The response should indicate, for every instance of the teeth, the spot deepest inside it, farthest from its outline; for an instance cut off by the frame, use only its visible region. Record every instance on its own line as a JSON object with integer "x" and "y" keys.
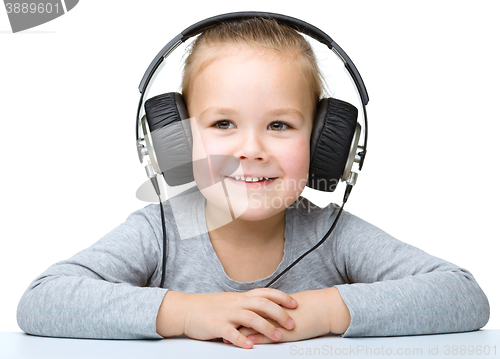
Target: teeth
{"x": 250, "y": 179}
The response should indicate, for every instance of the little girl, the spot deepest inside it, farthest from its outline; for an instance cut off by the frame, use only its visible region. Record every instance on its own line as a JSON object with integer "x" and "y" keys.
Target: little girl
{"x": 251, "y": 88}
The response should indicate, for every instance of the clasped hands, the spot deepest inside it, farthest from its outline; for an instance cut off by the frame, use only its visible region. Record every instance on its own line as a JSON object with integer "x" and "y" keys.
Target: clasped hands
{"x": 263, "y": 315}
{"x": 309, "y": 314}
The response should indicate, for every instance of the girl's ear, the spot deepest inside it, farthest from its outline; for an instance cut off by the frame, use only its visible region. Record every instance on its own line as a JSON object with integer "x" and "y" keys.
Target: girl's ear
{"x": 170, "y": 129}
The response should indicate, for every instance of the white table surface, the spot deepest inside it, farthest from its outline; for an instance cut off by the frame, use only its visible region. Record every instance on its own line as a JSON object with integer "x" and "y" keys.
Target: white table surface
{"x": 476, "y": 344}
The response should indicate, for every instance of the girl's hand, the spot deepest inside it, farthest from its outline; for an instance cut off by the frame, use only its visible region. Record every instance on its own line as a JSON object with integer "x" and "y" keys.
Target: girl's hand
{"x": 318, "y": 312}
{"x": 218, "y": 315}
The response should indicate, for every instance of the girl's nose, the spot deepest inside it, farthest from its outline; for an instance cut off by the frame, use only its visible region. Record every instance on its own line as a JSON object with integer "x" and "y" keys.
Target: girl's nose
{"x": 252, "y": 148}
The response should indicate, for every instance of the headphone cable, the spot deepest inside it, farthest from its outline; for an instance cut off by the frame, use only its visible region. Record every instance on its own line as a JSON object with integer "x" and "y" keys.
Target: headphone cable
{"x": 346, "y": 196}
{"x": 164, "y": 255}
{"x": 164, "y": 259}
{"x": 156, "y": 186}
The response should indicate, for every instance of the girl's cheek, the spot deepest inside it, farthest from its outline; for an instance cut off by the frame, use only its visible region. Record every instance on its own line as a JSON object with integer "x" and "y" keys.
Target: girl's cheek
{"x": 296, "y": 155}
{"x": 212, "y": 145}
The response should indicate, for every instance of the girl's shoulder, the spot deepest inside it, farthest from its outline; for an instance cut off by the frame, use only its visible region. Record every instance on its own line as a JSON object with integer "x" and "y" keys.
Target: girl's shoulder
{"x": 306, "y": 214}
{"x": 305, "y": 208}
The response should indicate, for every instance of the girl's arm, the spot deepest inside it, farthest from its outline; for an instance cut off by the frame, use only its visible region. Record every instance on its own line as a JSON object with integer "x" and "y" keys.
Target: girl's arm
{"x": 391, "y": 288}
{"x": 107, "y": 291}
{"x": 398, "y": 289}
{"x": 102, "y": 291}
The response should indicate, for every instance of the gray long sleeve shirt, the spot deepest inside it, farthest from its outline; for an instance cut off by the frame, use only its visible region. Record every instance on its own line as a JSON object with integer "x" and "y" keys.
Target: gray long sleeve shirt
{"x": 111, "y": 289}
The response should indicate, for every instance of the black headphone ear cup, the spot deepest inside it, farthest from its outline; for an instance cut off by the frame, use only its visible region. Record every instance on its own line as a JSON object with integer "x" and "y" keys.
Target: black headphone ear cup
{"x": 331, "y": 138}
{"x": 167, "y": 117}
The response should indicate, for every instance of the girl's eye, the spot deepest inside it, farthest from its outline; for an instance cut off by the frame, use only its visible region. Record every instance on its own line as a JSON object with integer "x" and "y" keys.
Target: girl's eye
{"x": 222, "y": 124}
{"x": 278, "y": 125}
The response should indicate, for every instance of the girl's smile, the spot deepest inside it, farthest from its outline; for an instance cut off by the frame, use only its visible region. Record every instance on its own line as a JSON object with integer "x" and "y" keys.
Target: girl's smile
{"x": 252, "y": 182}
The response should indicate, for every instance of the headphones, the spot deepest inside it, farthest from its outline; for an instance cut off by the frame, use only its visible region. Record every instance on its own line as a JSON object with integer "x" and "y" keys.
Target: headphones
{"x": 334, "y": 138}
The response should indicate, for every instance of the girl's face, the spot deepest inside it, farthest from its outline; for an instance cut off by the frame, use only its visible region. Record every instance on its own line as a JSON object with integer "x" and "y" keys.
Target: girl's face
{"x": 254, "y": 108}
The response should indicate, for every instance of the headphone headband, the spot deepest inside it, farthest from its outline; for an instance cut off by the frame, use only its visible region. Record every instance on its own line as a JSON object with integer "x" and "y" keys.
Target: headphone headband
{"x": 294, "y": 23}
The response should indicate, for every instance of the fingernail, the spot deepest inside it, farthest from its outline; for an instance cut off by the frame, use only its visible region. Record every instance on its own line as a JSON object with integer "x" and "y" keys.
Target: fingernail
{"x": 248, "y": 342}
{"x": 293, "y": 301}
{"x": 252, "y": 338}
{"x": 290, "y": 323}
{"x": 277, "y": 334}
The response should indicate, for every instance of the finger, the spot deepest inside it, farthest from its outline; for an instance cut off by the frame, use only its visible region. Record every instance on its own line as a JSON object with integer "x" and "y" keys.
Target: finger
{"x": 250, "y": 319}
{"x": 269, "y": 309}
{"x": 260, "y": 339}
{"x": 247, "y": 331}
{"x": 232, "y": 335}
{"x": 276, "y": 296}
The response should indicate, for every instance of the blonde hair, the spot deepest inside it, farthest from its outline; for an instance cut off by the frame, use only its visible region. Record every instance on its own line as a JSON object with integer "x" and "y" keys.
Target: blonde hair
{"x": 260, "y": 33}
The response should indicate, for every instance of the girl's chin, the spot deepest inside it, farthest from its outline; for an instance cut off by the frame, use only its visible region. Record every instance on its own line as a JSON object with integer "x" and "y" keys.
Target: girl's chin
{"x": 248, "y": 208}
{"x": 256, "y": 211}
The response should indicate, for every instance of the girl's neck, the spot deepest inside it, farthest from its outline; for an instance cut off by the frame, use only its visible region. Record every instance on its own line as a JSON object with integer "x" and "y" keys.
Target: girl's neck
{"x": 249, "y": 234}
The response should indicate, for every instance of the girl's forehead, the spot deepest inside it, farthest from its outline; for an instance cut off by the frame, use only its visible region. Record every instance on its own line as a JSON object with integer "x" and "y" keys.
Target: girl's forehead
{"x": 251, "y": 66}
{"x": 231, "y": 52}
{"x": 224, "y": 71}
{"x": 246, "y": 70}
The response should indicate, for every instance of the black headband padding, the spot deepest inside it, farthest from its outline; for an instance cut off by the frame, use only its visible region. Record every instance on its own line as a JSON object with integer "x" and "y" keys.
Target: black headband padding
{"x": 294, "y": 23}
{"x": 331, "y": 138}
{"x": 163, "y": 109}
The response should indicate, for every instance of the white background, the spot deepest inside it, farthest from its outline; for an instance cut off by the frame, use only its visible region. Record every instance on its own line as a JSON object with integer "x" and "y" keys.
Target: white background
{"x": 68, "y": 94}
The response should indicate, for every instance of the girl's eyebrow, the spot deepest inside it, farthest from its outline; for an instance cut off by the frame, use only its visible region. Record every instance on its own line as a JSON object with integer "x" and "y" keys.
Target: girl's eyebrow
{"x": 213, "y": 111}
{"x": 287, "y": 112}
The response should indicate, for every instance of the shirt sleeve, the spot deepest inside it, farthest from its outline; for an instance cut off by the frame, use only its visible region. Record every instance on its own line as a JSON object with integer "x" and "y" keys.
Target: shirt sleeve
{"x": 393, "y": 288}
{"x": 101, "y": 292}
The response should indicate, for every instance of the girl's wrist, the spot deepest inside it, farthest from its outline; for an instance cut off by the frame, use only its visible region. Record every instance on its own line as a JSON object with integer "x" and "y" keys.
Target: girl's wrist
{"x": 339, "y": 316}
{"x": 171, "y": 315}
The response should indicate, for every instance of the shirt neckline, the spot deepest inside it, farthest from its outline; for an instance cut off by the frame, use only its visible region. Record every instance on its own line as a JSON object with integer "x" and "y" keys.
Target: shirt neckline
{"x": 216, "y": 265}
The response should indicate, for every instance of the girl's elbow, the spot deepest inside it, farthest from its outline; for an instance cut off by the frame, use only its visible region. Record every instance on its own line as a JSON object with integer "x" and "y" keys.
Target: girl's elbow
{"x": 478, "y": 302}
{"x": 482, "y": 307}
{"x": 28, "y": 312}
{"x": 24, "y": 320}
